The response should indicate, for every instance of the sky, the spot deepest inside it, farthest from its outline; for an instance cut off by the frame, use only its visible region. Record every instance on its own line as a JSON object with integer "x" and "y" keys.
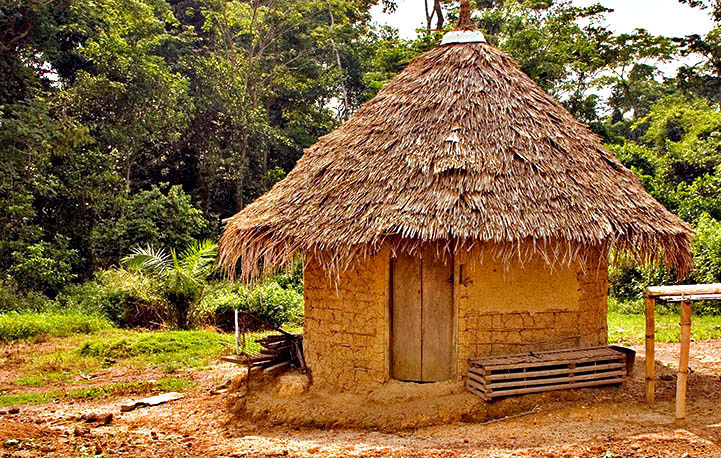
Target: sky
{"x": 659, "y": 17}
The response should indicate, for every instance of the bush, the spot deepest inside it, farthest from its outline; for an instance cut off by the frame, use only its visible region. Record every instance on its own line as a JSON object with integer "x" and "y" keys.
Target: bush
{"x": 14, "y": 300}
{"x": 45, "y": 266}
{"x": 149, "y": 218}
{"x": 291, "y": 278}
{"x": 128, "y": 300}
{"x": 706, "y": 246}
{"x": 17, "y": 326}
{"x": 269, "y": 301}
{"x": 628, "y": 280}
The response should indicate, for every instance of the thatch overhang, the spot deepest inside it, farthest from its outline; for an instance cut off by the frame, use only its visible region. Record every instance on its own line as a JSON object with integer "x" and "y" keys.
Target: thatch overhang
{"x": 461, "y": 147}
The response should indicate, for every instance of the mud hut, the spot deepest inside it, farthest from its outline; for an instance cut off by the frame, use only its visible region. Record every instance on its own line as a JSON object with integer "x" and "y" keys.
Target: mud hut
{"x": 461, "y": 212}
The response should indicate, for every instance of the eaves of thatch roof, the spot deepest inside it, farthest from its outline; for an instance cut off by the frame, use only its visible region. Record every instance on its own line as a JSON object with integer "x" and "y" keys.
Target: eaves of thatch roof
{"x": 461, "y": 146}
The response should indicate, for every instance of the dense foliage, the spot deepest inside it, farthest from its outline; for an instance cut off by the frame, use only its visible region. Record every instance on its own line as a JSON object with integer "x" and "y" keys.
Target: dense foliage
{"x": 128, "y": 123}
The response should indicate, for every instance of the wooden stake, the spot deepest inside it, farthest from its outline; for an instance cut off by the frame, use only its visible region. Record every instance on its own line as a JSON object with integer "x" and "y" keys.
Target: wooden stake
{"x": 683, "y": 363}
{"x": 650, "y": 348}
{"x": 237, "y": 333}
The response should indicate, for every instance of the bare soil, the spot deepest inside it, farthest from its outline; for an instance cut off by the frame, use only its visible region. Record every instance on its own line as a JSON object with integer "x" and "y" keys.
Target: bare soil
{"x": 611, "y": 420}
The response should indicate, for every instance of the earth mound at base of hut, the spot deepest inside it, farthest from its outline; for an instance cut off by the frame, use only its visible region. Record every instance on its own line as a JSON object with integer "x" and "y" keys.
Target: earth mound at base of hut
{"x": 291, "y": 400}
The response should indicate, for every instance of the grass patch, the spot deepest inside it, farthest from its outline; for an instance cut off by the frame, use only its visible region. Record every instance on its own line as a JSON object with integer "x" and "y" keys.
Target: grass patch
{"x": 19, "y": 326}
{"x": 169, "y": 350}
{"x": 630, "y": 328}
{"x": 94, "y": 392}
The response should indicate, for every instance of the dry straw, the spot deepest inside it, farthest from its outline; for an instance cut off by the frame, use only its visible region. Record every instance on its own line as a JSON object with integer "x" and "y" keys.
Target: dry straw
{"x": 461, "y": 147}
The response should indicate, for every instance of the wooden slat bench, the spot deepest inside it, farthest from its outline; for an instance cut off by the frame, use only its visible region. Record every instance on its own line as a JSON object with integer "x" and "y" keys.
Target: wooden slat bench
{"x": 500, "y": 376}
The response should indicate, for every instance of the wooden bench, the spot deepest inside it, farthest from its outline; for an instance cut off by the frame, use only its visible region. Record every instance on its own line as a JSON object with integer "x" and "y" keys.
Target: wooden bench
{"x": 536, "y": 372}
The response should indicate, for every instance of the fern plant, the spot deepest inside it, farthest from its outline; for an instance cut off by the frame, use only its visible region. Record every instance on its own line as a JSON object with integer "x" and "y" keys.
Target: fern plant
{"x": 183, "y": 276}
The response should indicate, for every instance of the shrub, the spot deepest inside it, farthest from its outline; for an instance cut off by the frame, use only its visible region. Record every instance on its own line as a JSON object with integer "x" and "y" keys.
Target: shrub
{"x": 128, "y": 300}
{"x": 269, "y": 301}
{"x": 149, "y": 218}
{"x": 183, "y": 276}
{"x": 628, "y": 280}
{"x": 45, "y": 266}
{"x": 291, "y": 278}
{"x": 707, "y": 250}
{"x": 12, "y": 299}
{"x": 17, "y": 326}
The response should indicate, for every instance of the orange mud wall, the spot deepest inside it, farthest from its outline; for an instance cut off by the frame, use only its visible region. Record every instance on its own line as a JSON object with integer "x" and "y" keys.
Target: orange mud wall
{"x": 526, "y": 307}
{"x": 529, "y": 307}
{"x": 345, "y": 335}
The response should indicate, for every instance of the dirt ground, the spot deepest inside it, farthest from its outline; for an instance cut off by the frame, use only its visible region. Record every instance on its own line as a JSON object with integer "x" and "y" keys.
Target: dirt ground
{"x": 609, "y": 422}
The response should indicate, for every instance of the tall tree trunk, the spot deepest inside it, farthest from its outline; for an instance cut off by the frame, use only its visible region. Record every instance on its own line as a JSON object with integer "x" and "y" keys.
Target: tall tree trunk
{"x": 344, "y": 110}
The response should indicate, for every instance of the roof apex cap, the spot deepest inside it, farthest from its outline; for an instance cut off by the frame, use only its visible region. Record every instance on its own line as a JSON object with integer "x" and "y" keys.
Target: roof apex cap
{"x": 463, "y": 36}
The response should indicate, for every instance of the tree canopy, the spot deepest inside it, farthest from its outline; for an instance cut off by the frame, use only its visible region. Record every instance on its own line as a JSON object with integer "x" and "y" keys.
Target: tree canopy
{"x": 136, "y": 122}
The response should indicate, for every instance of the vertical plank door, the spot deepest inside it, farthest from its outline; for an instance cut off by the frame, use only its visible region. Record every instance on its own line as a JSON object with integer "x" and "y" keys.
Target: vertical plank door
{"x": 422, "y": 314}
{"x": 437, "y": 287}
{"x": 406, "y": 315}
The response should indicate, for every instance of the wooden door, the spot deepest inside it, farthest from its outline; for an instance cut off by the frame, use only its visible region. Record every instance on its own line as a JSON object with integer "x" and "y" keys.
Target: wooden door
{"x": 422, "y": 317}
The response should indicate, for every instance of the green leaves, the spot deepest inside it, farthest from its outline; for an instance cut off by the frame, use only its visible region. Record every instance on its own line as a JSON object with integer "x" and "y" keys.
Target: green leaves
{"x": 149, "y": 259}
{"x": 183, "y": 277}
{"x": 707, "y": 250}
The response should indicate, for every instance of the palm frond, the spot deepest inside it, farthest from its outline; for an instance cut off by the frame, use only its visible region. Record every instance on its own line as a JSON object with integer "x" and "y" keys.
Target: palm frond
{"x": 147, "y": 258}
{"x": 199, "y": 259}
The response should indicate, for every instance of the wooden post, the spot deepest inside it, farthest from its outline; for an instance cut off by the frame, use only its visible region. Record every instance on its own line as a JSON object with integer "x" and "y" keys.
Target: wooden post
{"x": 650, "y": 348}
{"x": 237, "y": 334}
{"x": 683, "y": 363}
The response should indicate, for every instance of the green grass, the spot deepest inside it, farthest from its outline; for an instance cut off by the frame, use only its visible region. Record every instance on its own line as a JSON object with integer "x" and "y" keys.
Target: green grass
{"x": 19, "y": 326}
{"x": 168, "y": 351}
{"x": 630, "y": 329}
{"x": 93, "y": 392}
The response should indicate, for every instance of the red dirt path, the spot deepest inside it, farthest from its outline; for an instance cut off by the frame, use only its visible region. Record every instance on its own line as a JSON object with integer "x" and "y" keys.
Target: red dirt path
{"x": 613, "y": 420}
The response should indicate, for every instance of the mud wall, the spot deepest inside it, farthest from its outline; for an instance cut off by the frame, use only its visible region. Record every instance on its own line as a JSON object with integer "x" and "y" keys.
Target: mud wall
{"x": 530, "y": 307}
{"x": 346, "y": 326}
{"x": 499, "y": 311}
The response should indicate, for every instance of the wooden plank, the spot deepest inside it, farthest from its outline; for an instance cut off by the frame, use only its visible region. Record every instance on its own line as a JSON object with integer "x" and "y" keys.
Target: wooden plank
{"x": 477, "y": 378}
{"x": 475, "y": 390}
{"x": 560, "y": 356}
{"x": 436, "y": 316}
{"x": 234, "y": 359}
{"x": 570, "y": 379}
{"x": 271, "y": 362}
{"x": 683, "y": 363}
{"x": 255, "y": 370}
{"x": 542, "y": 363}
{"x": 151, "y": 401}
{"x": 586, "y": 351}
{"x": 273, "y": 338}
{"x": 650, "y": 348}
{"x": 566, "y": 386}
{"x": 477, "y": 386}
{"x": 277, "y": 368}
{"x": 567, "y": 370}
{"x": 678, "y": 290}
{"x": 692, "y": 297}
{"x": 406, "y": 347}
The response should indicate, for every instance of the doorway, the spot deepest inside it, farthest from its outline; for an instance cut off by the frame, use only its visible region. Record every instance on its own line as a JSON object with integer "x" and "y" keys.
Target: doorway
{"x": 422, "y": 317}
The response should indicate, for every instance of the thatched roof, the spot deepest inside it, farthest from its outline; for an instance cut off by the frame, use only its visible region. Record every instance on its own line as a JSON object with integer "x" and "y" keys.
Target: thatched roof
{"x": 460, "y": 146}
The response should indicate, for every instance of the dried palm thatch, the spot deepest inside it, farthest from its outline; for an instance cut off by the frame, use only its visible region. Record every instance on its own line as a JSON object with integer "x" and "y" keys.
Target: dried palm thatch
{"x": 462, "y": 147}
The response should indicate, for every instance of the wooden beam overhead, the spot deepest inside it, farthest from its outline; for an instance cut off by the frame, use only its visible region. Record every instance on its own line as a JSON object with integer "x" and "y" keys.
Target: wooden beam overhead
{"x": 683, "y": 290}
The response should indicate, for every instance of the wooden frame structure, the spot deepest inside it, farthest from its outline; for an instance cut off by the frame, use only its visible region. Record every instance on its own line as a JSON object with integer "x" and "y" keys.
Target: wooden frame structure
{"x": 684, "y": 294}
